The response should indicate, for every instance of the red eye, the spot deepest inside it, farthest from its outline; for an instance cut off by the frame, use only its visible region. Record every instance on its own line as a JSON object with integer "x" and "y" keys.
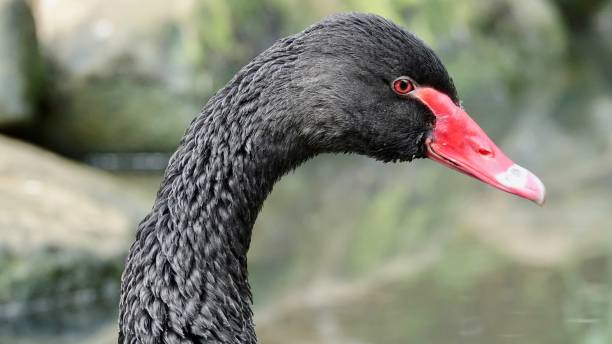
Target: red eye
{"x": 403, "y": 86}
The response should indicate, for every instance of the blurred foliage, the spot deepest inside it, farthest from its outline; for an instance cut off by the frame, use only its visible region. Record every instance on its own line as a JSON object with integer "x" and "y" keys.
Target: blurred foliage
{"x": 52, "y": 277}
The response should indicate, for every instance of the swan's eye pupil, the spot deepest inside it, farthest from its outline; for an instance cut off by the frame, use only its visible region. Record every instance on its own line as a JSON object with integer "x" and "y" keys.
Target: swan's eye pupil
{"x": 403, "y": 86}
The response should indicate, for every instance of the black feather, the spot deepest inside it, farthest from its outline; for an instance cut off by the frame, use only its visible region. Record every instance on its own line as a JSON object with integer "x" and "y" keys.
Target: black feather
{"x": 326, "y": 89}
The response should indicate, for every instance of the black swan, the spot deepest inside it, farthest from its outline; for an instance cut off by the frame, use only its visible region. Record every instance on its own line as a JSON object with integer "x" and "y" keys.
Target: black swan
{"x": 352, "y": 83}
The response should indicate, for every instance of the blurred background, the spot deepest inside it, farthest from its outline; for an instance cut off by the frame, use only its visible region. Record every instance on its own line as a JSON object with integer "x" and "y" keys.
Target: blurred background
{"x": 95, "y": 94}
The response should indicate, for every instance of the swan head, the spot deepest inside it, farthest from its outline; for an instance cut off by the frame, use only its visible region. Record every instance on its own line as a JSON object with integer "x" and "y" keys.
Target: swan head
{"x": 364, "y": 85}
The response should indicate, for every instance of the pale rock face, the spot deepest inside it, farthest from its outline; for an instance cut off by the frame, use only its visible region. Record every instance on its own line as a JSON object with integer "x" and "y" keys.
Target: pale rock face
{"x": 58, "y": 216}
{"x": 38, "y": 187}
{"x": 87, "y": 37}
{"x": 126, "y": 70}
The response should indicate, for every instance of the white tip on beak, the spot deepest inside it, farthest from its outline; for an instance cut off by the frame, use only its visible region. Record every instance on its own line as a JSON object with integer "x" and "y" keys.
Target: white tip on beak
{"x": 520, "y": 181}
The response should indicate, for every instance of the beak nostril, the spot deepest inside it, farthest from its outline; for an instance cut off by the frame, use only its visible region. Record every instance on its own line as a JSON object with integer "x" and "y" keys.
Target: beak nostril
{"x": 484, "y": 151}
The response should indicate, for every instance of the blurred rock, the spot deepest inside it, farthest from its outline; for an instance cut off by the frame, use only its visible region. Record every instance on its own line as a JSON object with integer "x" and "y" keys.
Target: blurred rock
{"x": 64, "y": 228}
{"x": 20, "y": 63}
{"x": 130, "y": 77}
{"x": 127, "y": 79}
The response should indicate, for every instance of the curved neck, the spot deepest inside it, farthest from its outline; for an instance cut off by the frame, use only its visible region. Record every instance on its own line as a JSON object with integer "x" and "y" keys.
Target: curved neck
{"x": 186, "y": 273}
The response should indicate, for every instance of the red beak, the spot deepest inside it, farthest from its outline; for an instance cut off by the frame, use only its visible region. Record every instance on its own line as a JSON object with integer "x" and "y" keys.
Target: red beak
{"x": 459, "y": 143}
